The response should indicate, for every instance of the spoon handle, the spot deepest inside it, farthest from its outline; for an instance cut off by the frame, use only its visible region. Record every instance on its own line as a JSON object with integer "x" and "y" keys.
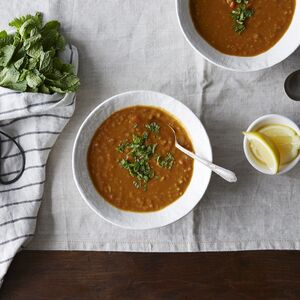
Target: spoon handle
{"x": 224, "y": 173}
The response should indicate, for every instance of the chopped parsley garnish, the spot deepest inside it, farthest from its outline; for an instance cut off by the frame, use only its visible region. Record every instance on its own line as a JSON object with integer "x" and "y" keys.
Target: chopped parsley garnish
{"x": 240, "y": 14}
{"x": 121, "y": 148}
{"x": 137, "y": 155}
{"x": 138, "y": 184}
{"x": 153, "y": 127}
{"x": 166, "y": 162}
{"x": 137, "y": 159}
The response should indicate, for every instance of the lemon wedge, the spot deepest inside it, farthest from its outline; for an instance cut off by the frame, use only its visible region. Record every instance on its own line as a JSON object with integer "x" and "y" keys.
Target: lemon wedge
{"x": 286, "y": 140}
{"x": 264, "y": 150}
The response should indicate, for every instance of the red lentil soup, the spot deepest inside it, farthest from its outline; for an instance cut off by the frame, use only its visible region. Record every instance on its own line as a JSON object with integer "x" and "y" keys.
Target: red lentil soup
{"x": 267, "y": 23}
{"x": 133, "y": 162}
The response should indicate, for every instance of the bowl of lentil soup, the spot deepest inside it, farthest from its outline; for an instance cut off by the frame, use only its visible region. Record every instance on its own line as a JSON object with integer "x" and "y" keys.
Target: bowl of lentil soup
{"x": 241, "y": 35}
{"x": 126, "y": 166}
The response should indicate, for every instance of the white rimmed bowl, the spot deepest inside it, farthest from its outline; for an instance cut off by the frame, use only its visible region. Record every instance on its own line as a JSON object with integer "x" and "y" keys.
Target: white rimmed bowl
{"x": 263, "y": 121}
{"x": 179, "y": 208}
{"x": 283, "y": 48}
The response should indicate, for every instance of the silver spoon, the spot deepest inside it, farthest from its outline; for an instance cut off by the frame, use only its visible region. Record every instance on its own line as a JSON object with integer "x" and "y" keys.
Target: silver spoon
{"x": 225, "y": 174}
{"x": 292, "y": 85}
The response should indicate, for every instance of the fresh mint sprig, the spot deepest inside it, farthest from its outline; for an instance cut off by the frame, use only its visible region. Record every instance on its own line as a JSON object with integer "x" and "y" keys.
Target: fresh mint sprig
{"x": 29, "y": 60}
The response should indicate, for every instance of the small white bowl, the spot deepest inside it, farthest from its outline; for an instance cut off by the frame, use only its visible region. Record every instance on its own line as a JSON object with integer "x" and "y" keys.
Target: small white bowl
{"x": 280, "y": 51}
{"x": 131, "y": 220}
{"x": 263, "y": 121}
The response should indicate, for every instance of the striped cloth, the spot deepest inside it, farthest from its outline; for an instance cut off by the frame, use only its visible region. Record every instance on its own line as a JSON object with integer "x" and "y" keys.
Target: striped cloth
{"x": 35, "y": 121}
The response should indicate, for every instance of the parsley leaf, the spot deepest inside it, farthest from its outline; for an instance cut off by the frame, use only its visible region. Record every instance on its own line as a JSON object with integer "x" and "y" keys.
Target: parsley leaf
{"x": 137, "y": 159}
{"x": 137, "y": 155}
{"x": 122, "y": 147}
{"x": 240, "y": 14}
{"x": 153, "y": 127}
{"x": 166, "y": 162}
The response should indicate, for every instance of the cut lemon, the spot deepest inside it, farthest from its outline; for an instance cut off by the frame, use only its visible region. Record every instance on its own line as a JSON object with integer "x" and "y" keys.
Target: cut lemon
{"x": 286, "y": 140}
{"x": 264, "y": 150}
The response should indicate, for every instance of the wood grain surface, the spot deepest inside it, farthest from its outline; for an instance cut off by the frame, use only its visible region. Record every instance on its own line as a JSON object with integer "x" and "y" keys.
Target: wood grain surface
{"x": 100, "y": 275}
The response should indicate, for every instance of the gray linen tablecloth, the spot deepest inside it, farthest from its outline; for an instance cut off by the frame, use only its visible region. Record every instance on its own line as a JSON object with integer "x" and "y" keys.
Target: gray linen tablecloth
{"x": 133, "y": 44}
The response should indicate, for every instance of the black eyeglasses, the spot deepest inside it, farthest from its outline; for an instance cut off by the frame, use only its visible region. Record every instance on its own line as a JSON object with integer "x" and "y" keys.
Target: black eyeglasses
{"x": 21, "y": 153}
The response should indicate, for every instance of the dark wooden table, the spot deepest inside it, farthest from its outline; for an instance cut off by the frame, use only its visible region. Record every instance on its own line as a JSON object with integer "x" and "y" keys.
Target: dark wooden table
{"x": 99, "y": 275}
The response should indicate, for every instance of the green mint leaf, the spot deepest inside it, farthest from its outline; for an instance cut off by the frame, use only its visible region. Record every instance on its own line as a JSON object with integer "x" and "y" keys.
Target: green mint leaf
{"x": 19, "y": 63}
{"x": 32, "y": 41}
{"x": 18, "y": 22}
{"x": 31, "y": 56}
{"x": 3, "y": 34}
{"x": 68, "y": 68}
{"x": 51, "y": 25}
{"x": 6, "y": 39}
{"x": 6, "y": 54}
{"x": 23, "y": 75}
{"x": 32, "y": 63}
{"x": 18, "y": 86}
{"x": 9, "y": 75}
{"x": 35, "y": 51}
{"x": 44, "y": 89}
{"x": 33, "y": 80}
{"x": 66, "y": 84}
{"x": 46, "y": 61}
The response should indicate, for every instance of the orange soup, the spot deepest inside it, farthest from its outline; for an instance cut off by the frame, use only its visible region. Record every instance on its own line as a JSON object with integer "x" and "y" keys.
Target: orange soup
{"x": 133, "y": 162}
{"x": 248, "y": 28}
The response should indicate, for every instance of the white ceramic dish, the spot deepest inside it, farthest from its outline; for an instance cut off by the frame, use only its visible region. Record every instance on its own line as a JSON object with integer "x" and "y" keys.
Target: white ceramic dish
{"x": 173, "y": 212}
{"x": 268, "y": 120}
{"x": 285, "y": 47}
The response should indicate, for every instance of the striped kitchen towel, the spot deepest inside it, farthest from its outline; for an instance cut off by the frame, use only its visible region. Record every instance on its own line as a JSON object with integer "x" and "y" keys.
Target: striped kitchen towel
{"x": 34, "y": 121}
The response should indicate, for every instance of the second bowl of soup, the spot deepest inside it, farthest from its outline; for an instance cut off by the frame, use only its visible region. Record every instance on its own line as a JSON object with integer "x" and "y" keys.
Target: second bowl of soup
{"x": 241, "y": 35}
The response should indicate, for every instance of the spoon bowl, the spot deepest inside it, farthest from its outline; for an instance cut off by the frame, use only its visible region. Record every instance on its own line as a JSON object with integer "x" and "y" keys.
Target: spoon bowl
{"x": 292, "y": 86}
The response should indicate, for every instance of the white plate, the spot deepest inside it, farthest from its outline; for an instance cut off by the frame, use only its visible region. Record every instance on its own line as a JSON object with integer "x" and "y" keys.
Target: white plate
{"x": 173, "y": 212}
{"x": 284, "y": 48}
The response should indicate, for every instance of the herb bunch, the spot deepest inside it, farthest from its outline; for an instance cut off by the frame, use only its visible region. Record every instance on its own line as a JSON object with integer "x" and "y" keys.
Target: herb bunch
{"x": 240, "y": 14}
{"x": 29, "y": 59}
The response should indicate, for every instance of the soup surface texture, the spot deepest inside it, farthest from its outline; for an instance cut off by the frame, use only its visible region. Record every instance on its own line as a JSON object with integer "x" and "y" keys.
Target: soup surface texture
{"x": 133, "y": 162}
{"x": 270, "y": 20}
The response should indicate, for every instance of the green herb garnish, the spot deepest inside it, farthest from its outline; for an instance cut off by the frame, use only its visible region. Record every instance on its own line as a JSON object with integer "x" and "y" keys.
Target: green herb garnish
{"x": 121, "y": 148}
{"x": 137, "y": 159}
{"x": 29, "y": 59}
{"x": 153, "y": 127}
{"x": 240, "y": 14}
{"x": 137, "y": 156}
{"x": 166, "y": 162}
{"x": 137, "y": 184}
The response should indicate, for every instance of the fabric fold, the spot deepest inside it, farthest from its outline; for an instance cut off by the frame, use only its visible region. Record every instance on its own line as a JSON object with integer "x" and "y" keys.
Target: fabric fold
{"x": 35, "y": 121}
